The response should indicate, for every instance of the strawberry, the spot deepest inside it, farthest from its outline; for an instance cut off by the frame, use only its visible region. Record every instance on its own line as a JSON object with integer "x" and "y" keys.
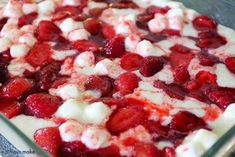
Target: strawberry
{"x": 85, "y": 45}
{"x": 207, "y": 60}
{"x": 127, "y": 82}
{"x": 39, "y": 54}
{"x": 230, "y": 64}
{"x": 73, "y": 149}
{"x": 110, "y": 151}
{"x": 16, "y": 87}
{"x": 27, "y": 19}
{"x": 92, "y": 25}
{"x": 151, "y": 65}
{"x": 48, "y": 31}
{"x": 146, "y": 150}
{"x": 10, "y": 108}
{"x": 181, "y": 74}
{"x": 168, "y": 152}
{"x": 157, "y": 10}
{"x": 131, "y": 61}
{"x": 180, "y": 49}
{"x": 125, "y": 118}
{"x": 100, "y": 83}
{"x": 49, "y": 139}
{"x": 47, "y": 75}
{"x": 157, "y": 130}
{"x": 107, "y": 31}
{"x": 65, "y": 12}
{"x": 114, "y": 47}
{"x": 185, "y": 122}
{"x": 203, "y": 23}
{"x": 42, "y": 105}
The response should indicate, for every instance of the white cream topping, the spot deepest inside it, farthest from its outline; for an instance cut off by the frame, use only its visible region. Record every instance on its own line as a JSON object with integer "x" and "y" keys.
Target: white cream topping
{"x": 33, "y": 124}
{"x": 224, "y": 77}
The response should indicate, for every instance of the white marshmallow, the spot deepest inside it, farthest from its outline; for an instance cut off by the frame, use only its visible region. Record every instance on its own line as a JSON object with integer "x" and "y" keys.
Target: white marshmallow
{"x": 28, "y": 29}
{"x": 146, "y": 48}
{"x": 69, "y": 25}
{"x": 5, "y": 44}
{"x": 94, "y": 137}
{"x": 71, "y": 2}
{"x": 27, "y": 39}
{"x": 18, "y": 66}
{"x": 78, "y": 34}
{"x": 189, "y": 150}
{"x": 96, "y": 113}
{"x": 19, "y": 50}
{"x": 131, "y": 42}
{"x": 61, "y": 55}
{"x": 229, "y": 113}
{"x": 103, "y": 66}
{"x": 13, "y": 9}
{"x": 175, "y": 23}
{"x": 46, "y": 7}
{"x": 123, "y": 28}
{"x": 13, "y": 35}
{"x": 29, "y": 8}
{"x": 71, "y": 131}
{"x": 224, "y": 77}
{"x": 175, "y": 12}
{"x": 158, "y": 23}
{"x": 85, "y": 59}
{"x": 69, "y": 91}
{"x": 92, "y": 5}
{"x": 71, "y": 109}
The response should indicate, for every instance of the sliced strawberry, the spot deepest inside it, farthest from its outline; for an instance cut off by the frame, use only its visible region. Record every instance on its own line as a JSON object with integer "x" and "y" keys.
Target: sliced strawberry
{"x": 123, "y": 5}
{"x": 112, "y": 101}
{"x": 27, "y": 19}
{"x": 16, "y": 87}
{"x": 125, "y": 118}
{"x": 151, "y": 65}
{"x": 158, "y": 131}
{"x": 211, "y": 43}
{"x": 172, "y": 90}
{"x": 127, "y": 82}
{"x": 168, "y": 152}
{"x": 180, "y": 49}
{"x": 73, "y": 149}
{"x": 64, "y": 12}
{"x": 170, "y": 32}
{"x": 142, "y": 20}
{"x": 42, "y": 105}
{"x": 49, "y": 139}
{"x": 85, "y": 45}
{"x": 207, "y": 60}
{"x": 10, "y": 108}
{"x": 92, "y": 25}
{"x": 131, "y": 61}
{"x": 204, "y": 77}
{"x": 110, "y": 151}
{"x": 157, "y": 10}
{"x": 178, "y": 58}
{"x": 230, "y": 64}
{"x": 114, "y": 47}
{"x": 3, "y": 21}
{"x": 39, "y": 54}
{"x": 100, "y": 83}
{"x": 203, "y": 23}
{"x": 146, "y": 150}
{"x": 220, "y": 97}
{"x": 107, "y": 31}
{"x": 96, "y": 12}
{"x": 48, "y": 31}
{"x": 181, "y": 74}
{"x": 185, "y": 122}
{"x": 47, "y": 75}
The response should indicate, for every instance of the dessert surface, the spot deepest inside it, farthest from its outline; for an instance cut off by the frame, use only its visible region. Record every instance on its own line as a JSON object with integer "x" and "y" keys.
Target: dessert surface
{"x": 116, "y": 78}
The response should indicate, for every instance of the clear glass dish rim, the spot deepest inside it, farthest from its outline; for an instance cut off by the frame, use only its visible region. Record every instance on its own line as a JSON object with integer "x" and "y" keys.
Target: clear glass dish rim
{"x": 209, "y": 153}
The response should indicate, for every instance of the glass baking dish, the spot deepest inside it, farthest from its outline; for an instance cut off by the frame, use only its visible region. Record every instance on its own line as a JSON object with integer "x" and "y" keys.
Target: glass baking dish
{"x": 13, "y": 143}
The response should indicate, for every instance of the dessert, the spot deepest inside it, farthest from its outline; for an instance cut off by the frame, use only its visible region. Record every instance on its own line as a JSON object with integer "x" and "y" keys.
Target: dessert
{"x": 116, "y": 78}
